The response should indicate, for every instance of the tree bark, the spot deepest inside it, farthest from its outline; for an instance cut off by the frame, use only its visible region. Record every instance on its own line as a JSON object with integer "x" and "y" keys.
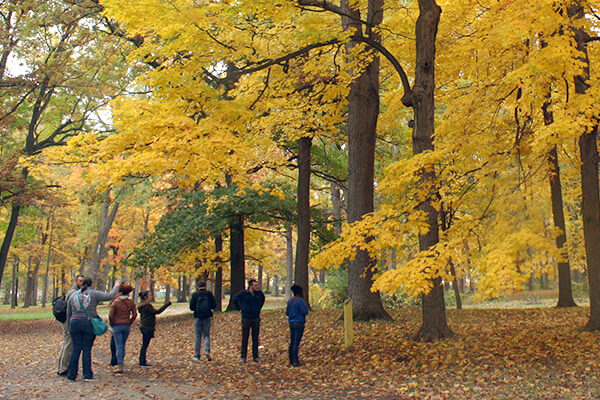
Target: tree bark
{"x": 259, "y": 276}
{"x": 107, "y": 217}
{"x": 455, "y": 287}
{"x": 8, "y": 236}
{"x": 336, "y": 203}
{"x": 363, "y": 111}
{"x": 289, "y": 267}
{"x": 237, "y": 257}
{"x": 303, "y": 239}
{"x": 15, "y": 283}
{"x": 48, "y": 258}
{"x": 167, "y": 293}
{"x": 219, "y": 275}
{"x": 434, "y": 325}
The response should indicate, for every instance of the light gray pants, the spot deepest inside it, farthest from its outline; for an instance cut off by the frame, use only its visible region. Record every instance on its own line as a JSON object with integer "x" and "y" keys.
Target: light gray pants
{"x": 65, "y": 350}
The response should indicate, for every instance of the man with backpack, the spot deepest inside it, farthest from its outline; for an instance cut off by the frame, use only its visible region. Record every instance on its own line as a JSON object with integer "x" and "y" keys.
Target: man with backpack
{"x": 250, "y": 302}
{"x": 202, "y": 303}
{"x": 59, "y": 309}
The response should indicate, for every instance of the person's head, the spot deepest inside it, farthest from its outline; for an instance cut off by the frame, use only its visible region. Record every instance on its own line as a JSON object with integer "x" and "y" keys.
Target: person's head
{"x": 79, "y": 280}
{"x": 86, "y": 283}
{"x": 146, "y": 295}
{"x": 297, "y": 291}
{"x": 125, "y": 289}
{"x": 252, "y": 285}
{"x": 201, "y": 285}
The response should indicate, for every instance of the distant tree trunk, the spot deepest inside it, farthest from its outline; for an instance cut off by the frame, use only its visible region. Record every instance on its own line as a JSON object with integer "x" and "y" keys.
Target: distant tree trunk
{"x": 167, "y": 293}
{"x": 289, "y": 266}
{"x": 336, "y": 202}
{"x": 106, "y": 221}
{"x": 28, "y": 284}
{"x": 15, "y": 283}
{"x": 259, "y": 276}
{"x": 363, "y": 111}
{"x": 276, "y": 285}
{"x": 7, "y": 288}
{"x": 455, "y": 287}
{"x": 268, "y": 284}
{"x": 237, "y": 257}
{"x": 303, "y": 239}
{"x": 152, "y": 287}
{"x": 8, "y": 236}
{"x": 48, "y": 260}
{"x": 219, "y": 275}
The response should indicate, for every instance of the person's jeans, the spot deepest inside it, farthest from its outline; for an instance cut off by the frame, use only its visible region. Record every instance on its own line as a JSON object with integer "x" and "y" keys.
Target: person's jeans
{"x": 247, "y": 324}
{"x": 296, "y": 331}
{"x": 147, "y": 334}
{"x": 121, "y": 333}
{"x": 82, "y": 335}
{"x": 65, "y": 351}
{"x": 202, "y": 328}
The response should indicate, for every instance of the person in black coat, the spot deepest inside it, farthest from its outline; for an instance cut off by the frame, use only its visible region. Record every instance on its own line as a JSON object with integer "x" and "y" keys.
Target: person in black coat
{"x": 202, "y": 303}
{"x": 148, "y": 322}
{"x": 250, "y": 302}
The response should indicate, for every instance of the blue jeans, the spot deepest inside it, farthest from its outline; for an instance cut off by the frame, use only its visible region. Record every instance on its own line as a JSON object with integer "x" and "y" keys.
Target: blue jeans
{"x": 296, "y": 331}
{"x": 82, "y": 334}
{"x": 202, "y": 328}
{"x": 121, "y": 333}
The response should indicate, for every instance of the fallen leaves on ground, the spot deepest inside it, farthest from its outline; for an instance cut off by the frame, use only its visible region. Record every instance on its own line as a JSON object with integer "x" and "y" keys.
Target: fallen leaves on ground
{"x": 496, "y": 354}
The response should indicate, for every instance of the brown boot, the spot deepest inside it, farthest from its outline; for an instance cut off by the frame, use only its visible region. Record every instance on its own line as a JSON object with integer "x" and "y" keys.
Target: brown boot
{"x": 119, "y": 369}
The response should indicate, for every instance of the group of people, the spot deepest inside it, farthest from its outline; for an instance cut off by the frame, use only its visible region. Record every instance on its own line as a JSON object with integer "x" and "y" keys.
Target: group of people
{"x": 82, "y": 300}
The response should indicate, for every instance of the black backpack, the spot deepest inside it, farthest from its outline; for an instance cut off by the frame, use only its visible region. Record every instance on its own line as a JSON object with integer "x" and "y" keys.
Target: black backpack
{"x": 59, "y": 308}
{"x": 202, "y": 306}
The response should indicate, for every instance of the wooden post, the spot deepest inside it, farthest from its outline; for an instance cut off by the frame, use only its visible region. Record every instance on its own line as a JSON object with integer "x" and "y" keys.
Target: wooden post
{"x": 348, "y": 329}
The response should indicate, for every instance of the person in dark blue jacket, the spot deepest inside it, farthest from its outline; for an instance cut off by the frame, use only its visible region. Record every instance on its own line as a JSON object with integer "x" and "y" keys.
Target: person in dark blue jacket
{"x": 250, "y": 302}
{"x": 296, "y": 311}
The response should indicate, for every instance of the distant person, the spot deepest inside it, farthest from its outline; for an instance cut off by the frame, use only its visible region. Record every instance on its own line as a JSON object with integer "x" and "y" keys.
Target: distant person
{"x": 202, "y": 303}
{"x": 250, "y": 302}
{"x": 122, "y": 314}
{"x": 296, "y": 311}
{"x": 80, "y": 327}
{"x": 148, "y": 322}
{"x": 67, "y": 345}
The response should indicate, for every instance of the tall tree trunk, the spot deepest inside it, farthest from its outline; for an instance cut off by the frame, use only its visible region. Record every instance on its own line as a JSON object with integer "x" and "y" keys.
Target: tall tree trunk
{"x": 303, "y": 239}
{"x": 28, "y": 284}
{"x": 289, "y": 266}
{"x": 259, "y": 276}
{"x": 167, "y": 293}
{"x": 276, "y": 285}
{"x": 48, "y": 260}
{"x": 8, "y": 236}
{"x": 15, "y": 283}
{"x": 237, "y": 257}
{"x": 590, "y": 193}
{"x": 336, "y": 203}
{"x": 219, "y": 275}
{"x": 363, "y": 111}
{"x": 434, "y": 325}
{"x": 107, "y": 217}
{"x": 268, "y": 284}
{"x": 455, "y": 287}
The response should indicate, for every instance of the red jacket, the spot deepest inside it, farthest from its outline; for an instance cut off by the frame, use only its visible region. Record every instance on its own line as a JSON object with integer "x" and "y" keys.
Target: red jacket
{"x": 122, "y": 311}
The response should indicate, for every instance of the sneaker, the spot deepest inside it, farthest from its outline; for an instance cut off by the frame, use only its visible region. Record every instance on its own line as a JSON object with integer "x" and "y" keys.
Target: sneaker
{"x": 196, "y": 358}
{"x": 145, "y": 365}
{"x": 243, "y": 359}
{"x": 208, "y": 357}
{"x": 93, "y": 378}
{"x": 64, "y": 373}
{"x": 256, "y": 359}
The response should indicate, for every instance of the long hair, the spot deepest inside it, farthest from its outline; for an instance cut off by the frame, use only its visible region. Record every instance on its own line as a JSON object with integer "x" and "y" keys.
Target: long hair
{"x": 87, "y": 282}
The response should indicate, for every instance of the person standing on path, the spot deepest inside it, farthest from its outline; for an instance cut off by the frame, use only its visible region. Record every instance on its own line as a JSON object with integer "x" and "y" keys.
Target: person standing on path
{"x": 122, "y": 314}
{"x": 250, "y": 302}
{"x": 148, "y": 322}
{"x": 202, "y": 303}
{"x": 296, "y": 311}
{"x": 65, "y": 351}
{"x": 80, "y": 327}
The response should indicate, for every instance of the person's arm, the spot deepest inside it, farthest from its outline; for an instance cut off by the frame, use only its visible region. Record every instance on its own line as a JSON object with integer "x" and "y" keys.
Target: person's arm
{"x": 213, "y": 302}
{"x": 133, "y": 312}
{"x": 237, "y": 299}
{"x": 262, "y": 298}
{"x": 101, "y": 296}
{"x": 69, "y": 310}
{"x": 287, "y": 308}
{"x": 163, "y": 308}
{"x": 303, "y": 308}
{"x": 193, "y": 302}
{"x": 111, "y": 315}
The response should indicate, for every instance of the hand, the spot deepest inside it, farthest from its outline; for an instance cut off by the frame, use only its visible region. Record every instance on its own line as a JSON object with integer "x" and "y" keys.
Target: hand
{"x": 169, "y": 303}
{"x": 117, "y": 282}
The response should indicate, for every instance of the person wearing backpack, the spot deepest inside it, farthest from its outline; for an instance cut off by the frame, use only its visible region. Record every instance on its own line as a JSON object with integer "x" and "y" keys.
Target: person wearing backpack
{"x": 250, "y": 302}
{"x": 296, "y": 311}
{"x": 148, "y": 322}
{"x": 121, "y": 316}
{"x": 202, "y": 303}
{"x": 80, "y": 308}
{"x": 59, "y": 308}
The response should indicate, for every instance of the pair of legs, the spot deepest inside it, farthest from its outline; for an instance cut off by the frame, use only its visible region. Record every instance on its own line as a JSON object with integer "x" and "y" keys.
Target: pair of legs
{"x": 202, "y": 328}
{"x": 120, "y": 335}
{"x": 65, "y": 351}
{"x": 147, "y": 335}
{"x": 296, "y": 331}
{"x": 247, "y": 325}
{"x": 82, "y": 335}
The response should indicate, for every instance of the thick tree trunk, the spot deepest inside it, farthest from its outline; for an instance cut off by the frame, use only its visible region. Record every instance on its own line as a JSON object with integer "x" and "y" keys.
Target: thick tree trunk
{"x": 363, "y": 111}
{"x": 303, "y": 240}
{"x": 259, "y": 276}
{"x": 289, "y": 266}
{"x": 237, "y": 257}
{"x": 276, "y": 285}
{"x": 106, "y": 221}
{"x": 8, "y": 236}
{"x": 219, "y": 275}
{"x": 48, "y": 260}
{"x": 167, "y": 293}
{"x": 434, "y": 325}
{"x": 268, "y": 284}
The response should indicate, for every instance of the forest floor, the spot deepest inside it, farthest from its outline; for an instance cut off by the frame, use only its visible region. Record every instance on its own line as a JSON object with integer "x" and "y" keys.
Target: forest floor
{"x": 536, "y": 353}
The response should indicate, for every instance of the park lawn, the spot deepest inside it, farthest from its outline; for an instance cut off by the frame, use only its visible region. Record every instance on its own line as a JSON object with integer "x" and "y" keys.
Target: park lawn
{"x": 538, "y": 353}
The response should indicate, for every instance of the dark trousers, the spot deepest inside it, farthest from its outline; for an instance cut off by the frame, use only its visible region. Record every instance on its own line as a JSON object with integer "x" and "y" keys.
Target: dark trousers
{"x": 113, "y": 351}
{"x": 247, "y": 324}
{"x": 296, "y": 331}
{"x": 147, "y": 334}
{"x": 82, "y": 334}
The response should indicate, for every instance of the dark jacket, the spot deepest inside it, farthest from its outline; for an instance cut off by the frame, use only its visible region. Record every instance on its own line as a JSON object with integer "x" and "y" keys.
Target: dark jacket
{"x": 148, "y": 314}
{"x": 249, "y": 303}
{"x": 212, "y": 303}
{"x": 296, "y": 310}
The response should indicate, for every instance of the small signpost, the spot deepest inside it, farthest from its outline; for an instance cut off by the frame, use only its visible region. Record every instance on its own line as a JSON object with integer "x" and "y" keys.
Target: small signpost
{"x": 348, "y": 330}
